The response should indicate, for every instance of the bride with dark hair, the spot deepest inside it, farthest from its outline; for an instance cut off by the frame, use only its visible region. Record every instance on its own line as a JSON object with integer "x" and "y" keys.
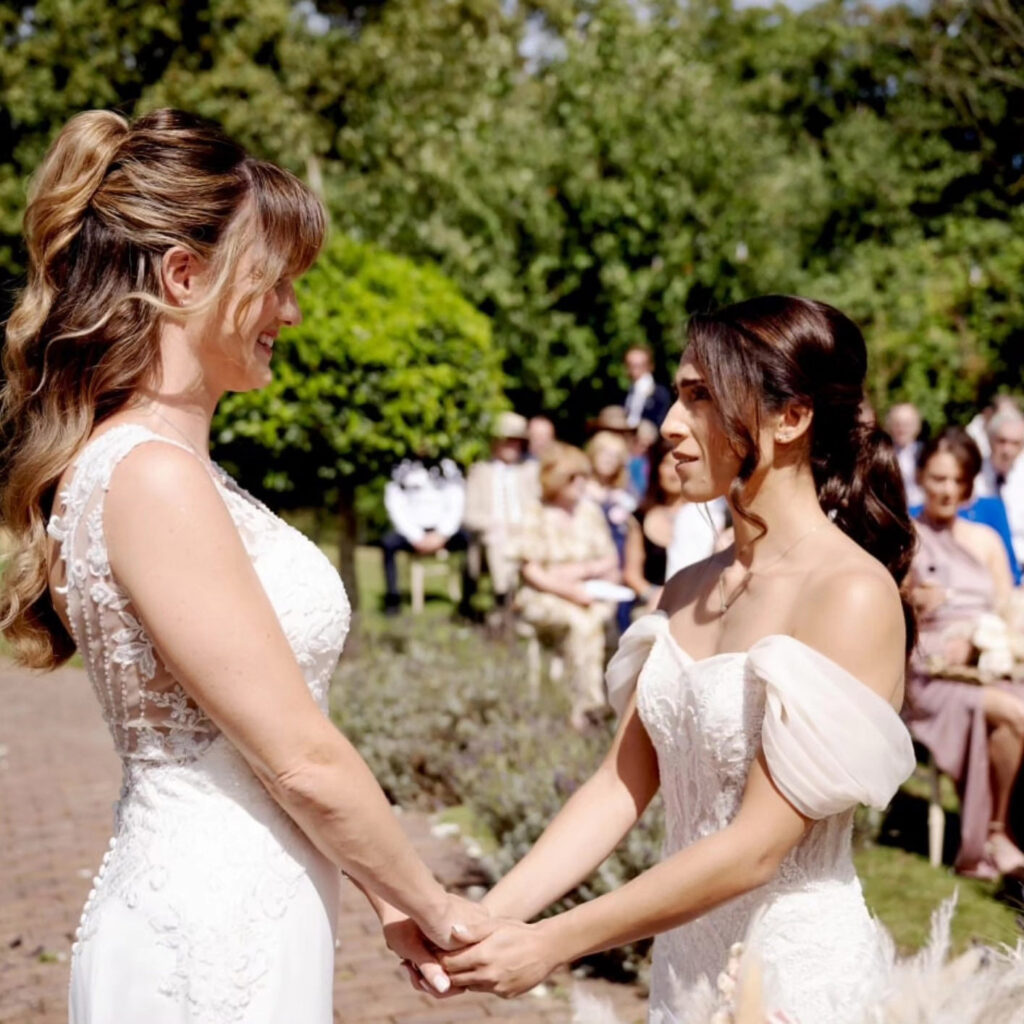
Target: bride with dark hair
{"x": 762, "y": 697}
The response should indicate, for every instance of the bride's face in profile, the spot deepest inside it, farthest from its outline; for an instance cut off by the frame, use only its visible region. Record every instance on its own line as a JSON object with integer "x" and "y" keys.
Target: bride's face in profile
{"x": 234, "y": 340}
{"x": 704, "y": 459}
{"x": 250, "y": 321}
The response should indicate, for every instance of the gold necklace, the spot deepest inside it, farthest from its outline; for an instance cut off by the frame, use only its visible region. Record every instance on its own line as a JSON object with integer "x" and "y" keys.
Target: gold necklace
{"x": 725, "y": 603}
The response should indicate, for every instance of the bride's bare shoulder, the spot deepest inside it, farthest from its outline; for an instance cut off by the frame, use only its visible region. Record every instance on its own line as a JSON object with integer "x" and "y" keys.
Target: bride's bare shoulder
{"x": 851, "y": 611}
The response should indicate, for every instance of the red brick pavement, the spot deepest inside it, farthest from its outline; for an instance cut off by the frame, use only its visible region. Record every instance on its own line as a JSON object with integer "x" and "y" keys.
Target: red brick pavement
{"x": 58, "y": 780}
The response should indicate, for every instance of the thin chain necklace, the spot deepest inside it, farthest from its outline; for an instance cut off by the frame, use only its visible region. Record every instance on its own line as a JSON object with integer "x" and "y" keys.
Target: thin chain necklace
{"x": 725, "y": 603}
{"x": 204, "y": 456}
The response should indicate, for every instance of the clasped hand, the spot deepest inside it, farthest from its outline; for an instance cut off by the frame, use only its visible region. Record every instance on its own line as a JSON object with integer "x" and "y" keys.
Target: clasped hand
{"x": 497, "y": 955}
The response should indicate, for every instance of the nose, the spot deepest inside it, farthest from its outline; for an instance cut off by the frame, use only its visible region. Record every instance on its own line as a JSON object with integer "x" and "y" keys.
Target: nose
{"x": 290, "y": 313}
{"x": 674, "y": 427}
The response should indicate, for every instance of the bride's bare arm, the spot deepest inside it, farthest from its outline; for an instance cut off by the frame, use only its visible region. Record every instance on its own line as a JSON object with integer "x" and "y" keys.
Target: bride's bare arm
{"x": 514, "y": 957}
{"x": 743, "y": 856}
{"x": 586, "y": 830}
{"x": 175, "y": 549}
{"x": 594, "y": 821}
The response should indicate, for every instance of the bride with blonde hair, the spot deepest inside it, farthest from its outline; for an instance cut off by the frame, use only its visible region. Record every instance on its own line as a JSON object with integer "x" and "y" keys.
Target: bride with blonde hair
{"x": 162, "y": 259}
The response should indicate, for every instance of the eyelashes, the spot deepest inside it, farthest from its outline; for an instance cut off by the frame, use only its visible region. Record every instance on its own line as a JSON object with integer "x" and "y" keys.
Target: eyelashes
{"x": 693, "y": 393}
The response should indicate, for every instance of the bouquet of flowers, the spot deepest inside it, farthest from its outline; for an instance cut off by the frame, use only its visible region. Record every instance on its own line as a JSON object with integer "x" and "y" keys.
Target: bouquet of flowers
{"x": 981, "y": 652}
{"x": 991, "y": 639}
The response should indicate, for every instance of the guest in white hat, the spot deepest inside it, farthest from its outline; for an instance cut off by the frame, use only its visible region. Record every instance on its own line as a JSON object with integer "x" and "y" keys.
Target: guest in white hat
{"x": 498, "y": 493}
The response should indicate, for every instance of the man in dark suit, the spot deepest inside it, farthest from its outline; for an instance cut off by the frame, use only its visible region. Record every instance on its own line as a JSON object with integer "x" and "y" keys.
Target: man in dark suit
{"x": 646, "y": 399}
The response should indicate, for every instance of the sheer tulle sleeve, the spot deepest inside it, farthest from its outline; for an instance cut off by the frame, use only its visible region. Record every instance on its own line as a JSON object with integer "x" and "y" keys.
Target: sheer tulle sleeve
{"x": 627, "y": 661}
{"x": 830, "y": 742}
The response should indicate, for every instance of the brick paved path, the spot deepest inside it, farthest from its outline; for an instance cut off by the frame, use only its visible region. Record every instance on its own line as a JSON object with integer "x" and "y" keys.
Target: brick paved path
{"x": 58, "y": 780}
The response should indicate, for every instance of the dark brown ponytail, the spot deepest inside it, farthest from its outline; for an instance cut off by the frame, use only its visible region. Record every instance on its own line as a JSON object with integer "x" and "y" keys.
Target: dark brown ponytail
{"x": 759, "y": 355}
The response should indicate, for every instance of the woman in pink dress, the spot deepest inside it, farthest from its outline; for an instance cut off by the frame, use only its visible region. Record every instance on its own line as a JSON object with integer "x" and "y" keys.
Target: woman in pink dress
{"x": 975, "y": 733}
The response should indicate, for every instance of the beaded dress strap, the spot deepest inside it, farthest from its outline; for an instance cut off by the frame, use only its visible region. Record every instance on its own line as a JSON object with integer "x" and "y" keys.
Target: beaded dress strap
{"x": 93, "y": 467}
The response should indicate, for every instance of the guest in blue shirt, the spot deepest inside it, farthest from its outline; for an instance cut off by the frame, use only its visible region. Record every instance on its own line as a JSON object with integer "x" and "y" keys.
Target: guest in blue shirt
{"x": 991, "y": 511}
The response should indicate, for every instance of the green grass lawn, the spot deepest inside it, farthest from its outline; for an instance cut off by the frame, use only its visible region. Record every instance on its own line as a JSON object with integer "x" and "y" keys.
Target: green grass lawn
{"x": 901, "y": 887}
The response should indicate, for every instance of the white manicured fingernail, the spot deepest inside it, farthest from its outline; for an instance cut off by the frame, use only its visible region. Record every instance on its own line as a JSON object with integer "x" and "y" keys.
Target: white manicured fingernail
{"x": 442, "y": 984}
{"x": 460, "y": 930}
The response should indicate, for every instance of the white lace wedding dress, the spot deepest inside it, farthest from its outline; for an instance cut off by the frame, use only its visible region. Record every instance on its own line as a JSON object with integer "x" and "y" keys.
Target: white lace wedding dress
{"x": 830, "y": 743}
{"x": 211, "y": 906}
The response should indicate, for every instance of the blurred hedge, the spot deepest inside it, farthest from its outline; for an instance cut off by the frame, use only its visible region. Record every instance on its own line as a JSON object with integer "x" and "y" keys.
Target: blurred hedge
{"x": 444, "y": 719}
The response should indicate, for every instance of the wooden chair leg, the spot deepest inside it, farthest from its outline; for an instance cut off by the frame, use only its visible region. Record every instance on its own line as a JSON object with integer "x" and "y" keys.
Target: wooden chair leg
{"x": 533, "y": 666}
{"x": 454, "y": 587}
{"x": 936, "y": 817}
{"x": 416, "y": 581}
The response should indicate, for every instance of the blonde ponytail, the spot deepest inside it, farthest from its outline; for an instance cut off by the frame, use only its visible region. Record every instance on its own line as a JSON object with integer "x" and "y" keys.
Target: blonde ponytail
{"x": 108, "y": 201}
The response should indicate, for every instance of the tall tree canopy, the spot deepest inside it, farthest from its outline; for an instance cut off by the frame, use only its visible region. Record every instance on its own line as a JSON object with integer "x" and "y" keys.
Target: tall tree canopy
{"x": 589, "y": 172}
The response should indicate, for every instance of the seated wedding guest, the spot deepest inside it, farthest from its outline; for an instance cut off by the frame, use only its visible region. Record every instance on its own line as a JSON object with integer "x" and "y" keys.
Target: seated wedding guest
{"x": 641, "y": 447}
{"x": 978, "y": 427}
{"x": 498, "y": 493}
{"x": 646, "y": 399}
{"x": 425, "y": 501}
{"x": 1005, "y": 434}
{"x": 564, "y": 543}
{"x": 1002, "y": 474}
{"x": 975, "y": 733}
{"x": 903, "y": 423}
{"x": 540, "y": 432}
{"x": 698, "y": 531}
{"x": 608, "y": 488}
{"x": 650, "y": 532}
{"x": 990, "y": 511}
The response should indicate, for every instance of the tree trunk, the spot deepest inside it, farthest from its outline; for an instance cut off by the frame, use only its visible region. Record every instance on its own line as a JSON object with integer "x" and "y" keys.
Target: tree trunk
{"x": 347, "y": 546}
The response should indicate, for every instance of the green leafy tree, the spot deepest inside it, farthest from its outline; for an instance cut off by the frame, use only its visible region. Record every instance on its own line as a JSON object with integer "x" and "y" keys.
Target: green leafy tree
{"x": 389, "y": 362}
{"x": 585, "y": 203}
{"x": 589, "y": 176}
{"x": 252, "y": 65}
{"x": 635, "y": 169}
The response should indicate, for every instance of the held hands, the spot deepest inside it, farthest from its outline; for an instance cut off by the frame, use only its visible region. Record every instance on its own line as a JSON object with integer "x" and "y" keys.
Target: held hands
{"x": 417, "y": 946}
{"x": 505, "y": 957}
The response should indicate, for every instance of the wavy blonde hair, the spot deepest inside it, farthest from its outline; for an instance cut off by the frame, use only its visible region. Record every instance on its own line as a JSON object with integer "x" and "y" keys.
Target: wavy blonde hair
{"x": 558, "y": 465}
{"x": 605, "y": 440}
{"x": 109, "y": 200}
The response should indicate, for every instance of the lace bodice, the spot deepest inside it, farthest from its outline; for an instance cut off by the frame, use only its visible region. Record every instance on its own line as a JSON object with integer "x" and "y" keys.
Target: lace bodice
{"x": 211, "y": 900}
{"x": 150, "y": 715}
{"x": 830, "y": 743}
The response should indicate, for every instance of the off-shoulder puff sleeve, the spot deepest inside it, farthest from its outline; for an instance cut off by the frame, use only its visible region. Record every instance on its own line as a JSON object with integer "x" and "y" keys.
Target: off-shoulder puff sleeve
{"x": 830, "y": 741}
{"x": 627, "y": 661}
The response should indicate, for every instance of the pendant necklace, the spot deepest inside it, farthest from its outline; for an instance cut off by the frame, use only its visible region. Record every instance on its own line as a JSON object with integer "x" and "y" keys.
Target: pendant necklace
{"x": 725, "y": 603}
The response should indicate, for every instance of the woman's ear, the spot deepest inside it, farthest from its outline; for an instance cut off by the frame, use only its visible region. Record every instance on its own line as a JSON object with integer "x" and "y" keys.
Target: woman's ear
{"x": 793, "y": 423}
{"x": 179, "y": 275}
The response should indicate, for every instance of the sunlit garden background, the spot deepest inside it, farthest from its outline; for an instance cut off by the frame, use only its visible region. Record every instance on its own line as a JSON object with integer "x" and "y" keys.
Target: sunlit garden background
{"x": 519, "y": 191}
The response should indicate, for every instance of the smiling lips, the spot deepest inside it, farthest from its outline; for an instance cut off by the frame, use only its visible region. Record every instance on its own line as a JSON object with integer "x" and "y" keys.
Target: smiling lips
{"x": 266, "y": 343}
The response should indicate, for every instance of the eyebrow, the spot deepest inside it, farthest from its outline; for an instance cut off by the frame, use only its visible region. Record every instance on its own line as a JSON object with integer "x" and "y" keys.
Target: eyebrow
{"x": 689, "y": 382}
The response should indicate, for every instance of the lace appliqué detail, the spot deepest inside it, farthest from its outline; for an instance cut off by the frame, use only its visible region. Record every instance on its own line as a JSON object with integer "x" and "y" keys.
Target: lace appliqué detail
{"x": 201, "y": 852}
{"x": 820, "y": 947}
